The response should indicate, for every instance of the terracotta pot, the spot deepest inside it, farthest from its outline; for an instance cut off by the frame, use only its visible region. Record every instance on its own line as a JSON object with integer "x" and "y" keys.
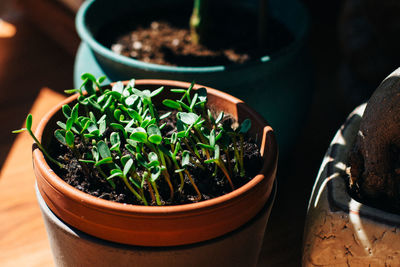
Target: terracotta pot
{"x": 240, "y": 247}
{"x": 340, "y": 231}
{"x": 168, "y": 225}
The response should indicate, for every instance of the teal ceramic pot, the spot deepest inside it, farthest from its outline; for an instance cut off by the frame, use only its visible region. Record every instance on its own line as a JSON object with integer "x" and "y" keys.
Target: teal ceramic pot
{"x": 278, "y": 86}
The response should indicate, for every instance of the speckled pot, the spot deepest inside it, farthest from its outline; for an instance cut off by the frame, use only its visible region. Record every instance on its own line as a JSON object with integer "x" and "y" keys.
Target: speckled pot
{"x": 341, "y": 231}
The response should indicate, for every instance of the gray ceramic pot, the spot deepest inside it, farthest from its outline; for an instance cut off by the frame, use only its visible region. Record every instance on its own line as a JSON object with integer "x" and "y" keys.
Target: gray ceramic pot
{"x": 71, "y": 247}
{"x": 340, "y": 231}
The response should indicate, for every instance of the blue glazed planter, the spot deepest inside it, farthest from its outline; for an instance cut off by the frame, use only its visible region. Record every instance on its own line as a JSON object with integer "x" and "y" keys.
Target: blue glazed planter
{"x": 278, "y": 86}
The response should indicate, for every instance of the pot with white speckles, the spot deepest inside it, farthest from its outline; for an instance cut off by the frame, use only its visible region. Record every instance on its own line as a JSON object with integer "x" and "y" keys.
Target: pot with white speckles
{"x": 340, "y": 230}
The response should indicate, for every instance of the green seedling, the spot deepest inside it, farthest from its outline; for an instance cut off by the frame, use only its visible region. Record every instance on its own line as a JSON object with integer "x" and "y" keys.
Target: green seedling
{"x": 117, "y": 133}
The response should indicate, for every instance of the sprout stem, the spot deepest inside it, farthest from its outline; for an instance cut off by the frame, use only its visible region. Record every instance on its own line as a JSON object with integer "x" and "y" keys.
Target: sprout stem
{"x": 194, "y": 185}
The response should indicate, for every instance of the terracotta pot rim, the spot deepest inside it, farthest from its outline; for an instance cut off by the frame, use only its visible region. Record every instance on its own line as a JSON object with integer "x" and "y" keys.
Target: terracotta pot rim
{"x": 57, "y": 183}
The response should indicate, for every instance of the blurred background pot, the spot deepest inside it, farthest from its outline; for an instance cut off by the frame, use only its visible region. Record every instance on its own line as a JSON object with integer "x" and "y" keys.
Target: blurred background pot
{"x": 278, "y": 86}
{"x": 199, "y": 226}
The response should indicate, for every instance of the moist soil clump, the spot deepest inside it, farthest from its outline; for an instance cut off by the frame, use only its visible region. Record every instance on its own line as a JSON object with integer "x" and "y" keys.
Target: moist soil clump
{"x": 210, "y": 180}
{"x": 164, "y": 38}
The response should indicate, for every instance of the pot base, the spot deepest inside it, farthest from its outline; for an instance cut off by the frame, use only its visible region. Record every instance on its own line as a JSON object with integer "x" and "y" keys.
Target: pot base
{"x": 71, "y": 247}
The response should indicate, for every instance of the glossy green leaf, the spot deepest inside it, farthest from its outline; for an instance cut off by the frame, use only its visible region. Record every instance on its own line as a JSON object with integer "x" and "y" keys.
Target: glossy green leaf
{"x": 245, "y": 126}
{"x": 69, "y": 138}
{"x": 172, "y": 104}
{"x": 60, "y": 136}
{"x": 188, "y": 118}
{"x": 127, "y": 167}
{"x": 157, "y": 91}
{"x": 29, "y": 122}
{"x": 103, "y": 149}
{"x": 118, "y": 87}
{"x": 66, "y": 110}
{"x": 185, "y": 158}
{"x": 139, "y": 134}
{"x": 104, "y": 161}
{"x": 154, "y": 134}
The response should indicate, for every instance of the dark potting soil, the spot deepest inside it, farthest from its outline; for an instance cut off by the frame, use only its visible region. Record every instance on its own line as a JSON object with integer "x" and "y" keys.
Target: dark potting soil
{"x": 164, "y": 38}
{"x": 211, "y": 181}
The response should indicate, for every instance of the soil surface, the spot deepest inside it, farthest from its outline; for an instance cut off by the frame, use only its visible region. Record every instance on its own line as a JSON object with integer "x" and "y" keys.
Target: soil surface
{"x": 161, "y": 39}
{"x": 210, "y": 181}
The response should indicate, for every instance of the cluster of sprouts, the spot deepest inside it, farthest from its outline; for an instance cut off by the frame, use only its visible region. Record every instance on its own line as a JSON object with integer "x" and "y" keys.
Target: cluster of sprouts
{"x": 119, "y": 133}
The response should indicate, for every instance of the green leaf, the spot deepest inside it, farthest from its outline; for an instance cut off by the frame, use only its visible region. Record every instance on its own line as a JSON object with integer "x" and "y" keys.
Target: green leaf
{"x": 196, "y": 95}
{"x": 102, "y": 128}
{"x": 134, "y": 115}
{"x": 157, "y": 91}
{"x": 216, "y": 152}
{"x": 152, "y": 157}
{"x": 155, "y": 173}
{"x": 245, "y": 126}
{"x": 94, "y": 104}
{"x": 71, "y": 91}
{"x": 178, "y": 90}
{"x": 118, "y": 115}
{"x": 188, "y": 118}
{"x": 185, "y": 158}
{"x": 136, "y": 183}
{"x": 103, "y": 149}
{"x": 90, "y": 87}
{"x": 165, "y": 115}
{"x": 19, "y": 131}
{"x": 131, "y": 83}
{"x": 74, "y": 112}
{"x": 104, "y": 161}
{"x": 83, "y": 100}
{"x": 154, "y": 134}
{"x": 140, "y": 159}
{"x": 88, "y": 76}
{"x": 115, "y": 173}
{"x": 129, "y": 101}
{"x": 60, "y": 136}
{"x": 115, "y": 139}
{"x": 174, "y": 138}
{"x": 61, "y": 124}
{"x": 184, "y": 105}
{"x": 205, "y": 146}
{"x": 127, "y": 167}
{"x": 118, "y": 87}
{"x": 69, "y": 138}
{"x": 118, "y": 126}
{"x": 29, "y": 122}
{"x": 101, "y": 79}
{"x": 211, "y": 161}
{"x": 66, "y": 111}
{"x": 95, "y": 153}
{"x": 202, "y": 94}
{"x": 139, "y": 134}
{"x": 87, "y": 161}
{"x": 212, "y": 138}
{"x": 171, "y": 104}
{"x": 125, "y": 158}
{"x": 220, "y": 117}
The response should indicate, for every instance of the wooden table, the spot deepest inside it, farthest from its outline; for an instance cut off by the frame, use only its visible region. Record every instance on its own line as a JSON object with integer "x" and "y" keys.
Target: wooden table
{"x": 23, "y": 239}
